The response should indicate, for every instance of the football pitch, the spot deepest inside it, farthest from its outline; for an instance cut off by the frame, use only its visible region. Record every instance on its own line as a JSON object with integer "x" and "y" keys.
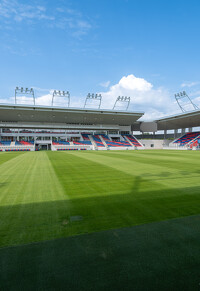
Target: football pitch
{"x": 100, "y": 220}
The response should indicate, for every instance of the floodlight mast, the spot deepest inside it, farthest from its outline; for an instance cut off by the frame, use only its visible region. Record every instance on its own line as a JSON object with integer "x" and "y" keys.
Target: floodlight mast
{"x": 183, "y": 95}
{"x": 19, "y": 91}
{"x": 122, "y": 99}
{"x": 93, "y": 97}
{"x": 58, "y": 93}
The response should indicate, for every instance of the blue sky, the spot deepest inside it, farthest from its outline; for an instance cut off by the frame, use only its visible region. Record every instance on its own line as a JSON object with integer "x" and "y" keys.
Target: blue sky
{"x": 146, "y": 49}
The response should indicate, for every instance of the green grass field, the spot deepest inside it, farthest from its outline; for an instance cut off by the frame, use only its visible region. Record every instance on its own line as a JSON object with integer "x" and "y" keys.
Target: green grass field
{"x": 46, "y": 197}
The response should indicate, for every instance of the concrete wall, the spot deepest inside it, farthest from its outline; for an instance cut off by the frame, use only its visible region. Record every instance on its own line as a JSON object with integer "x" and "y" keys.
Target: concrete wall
{"x": 154, "y": 143}
{"x": 125, "y": 128}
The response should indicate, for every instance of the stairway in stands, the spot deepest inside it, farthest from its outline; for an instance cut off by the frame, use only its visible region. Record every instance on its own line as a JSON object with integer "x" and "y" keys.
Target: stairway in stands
{"x": 98, "y": 141}
{"x": 133, "y": 140}
{"x": 88, "y": 138}
{"x": 103, "y": 141}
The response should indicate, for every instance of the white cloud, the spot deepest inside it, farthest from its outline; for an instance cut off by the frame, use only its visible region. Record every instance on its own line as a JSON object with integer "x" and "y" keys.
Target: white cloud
{"x": 44, "y": 97}
{"x": 105, "y": 84}
{"x": 44, "y": 100}
{"x": 59, "y": 101}
{"x": 195, "y": 93}
{"x": 41, "y": 89}
{"x": 12, "y": 9}
{"x": 8, "y": 100}
{"x": 134, "y": 84}
{"x": 155, "y": 102}
{"x": 12, "y": 12}
{"x": 144, "y": 97}
{"x": 189, "y": 84}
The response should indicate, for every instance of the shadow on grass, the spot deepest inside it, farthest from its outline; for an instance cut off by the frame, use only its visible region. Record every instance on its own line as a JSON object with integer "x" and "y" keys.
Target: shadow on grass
{"x": 153, "y": 256}
{"x": 26, "y": 223}
{"x": 156, "y": 256}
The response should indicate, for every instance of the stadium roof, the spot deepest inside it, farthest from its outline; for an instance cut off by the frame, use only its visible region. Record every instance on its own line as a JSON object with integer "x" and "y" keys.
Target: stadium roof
{"x": 183, "y": 120}
{"x": 20, "y": 114}
{"x": 46, "y": 114}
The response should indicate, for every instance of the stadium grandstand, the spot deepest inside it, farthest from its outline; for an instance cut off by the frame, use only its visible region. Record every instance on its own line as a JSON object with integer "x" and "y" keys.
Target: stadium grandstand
{"x": 25, "y": 127}
{"x": 29, "y": 128}
{"x": 33, "y": 127}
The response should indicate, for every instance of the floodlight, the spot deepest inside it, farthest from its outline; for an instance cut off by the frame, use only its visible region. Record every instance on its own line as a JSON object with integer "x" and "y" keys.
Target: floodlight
{"x": 61, "y": 93}
{"x": 19, "y": 91}
{"x": 91, "y": 97}
{"x": 183, "y": 101}
{"x": 120, "y": 101}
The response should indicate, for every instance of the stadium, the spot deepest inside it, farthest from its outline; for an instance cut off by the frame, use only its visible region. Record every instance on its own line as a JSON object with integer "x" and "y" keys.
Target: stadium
{"x": 99, "y": 145}
{"x": 32, "y": 128}
{"x": 95, "y": 199}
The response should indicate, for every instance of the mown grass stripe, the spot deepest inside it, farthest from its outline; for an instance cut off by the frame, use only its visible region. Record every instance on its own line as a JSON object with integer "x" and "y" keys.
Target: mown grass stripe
{"x": 5, "y": 156}
{"x": 28, "y": 183}
{"x": 29, "y": 178}
{"x": 167, "y": 176}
